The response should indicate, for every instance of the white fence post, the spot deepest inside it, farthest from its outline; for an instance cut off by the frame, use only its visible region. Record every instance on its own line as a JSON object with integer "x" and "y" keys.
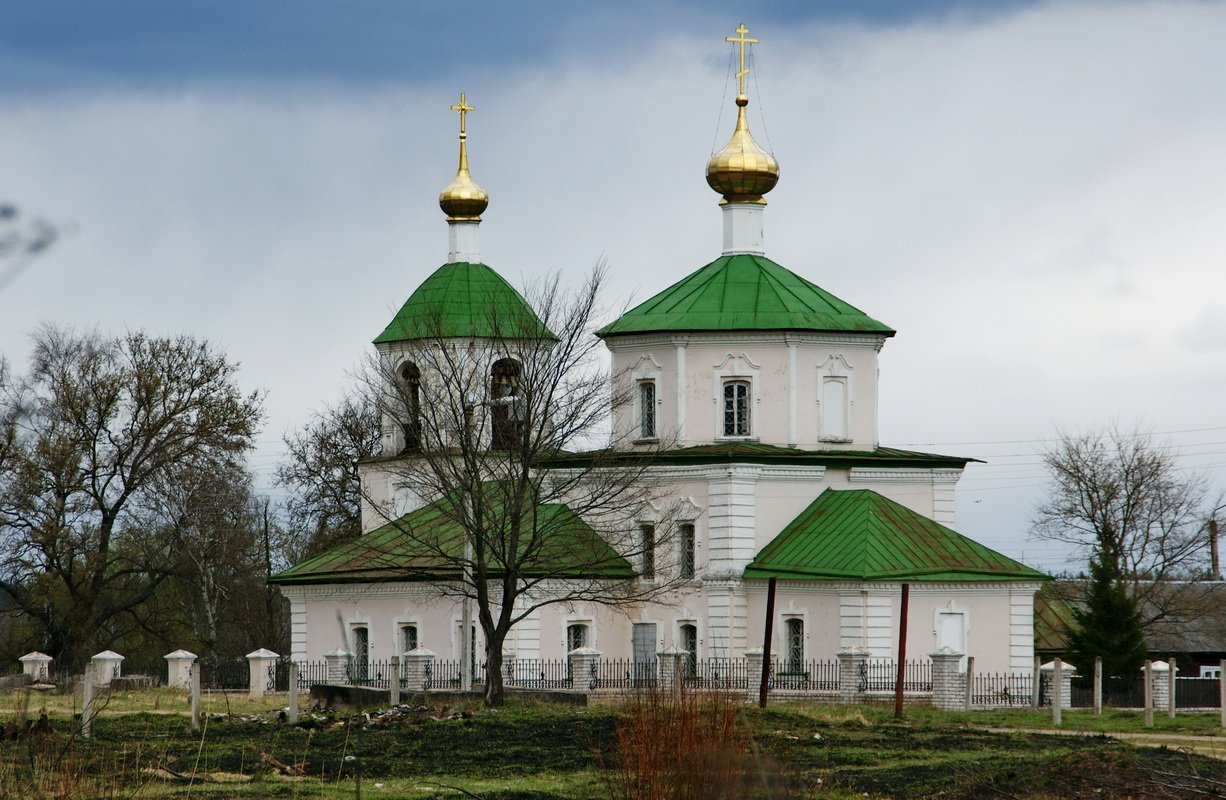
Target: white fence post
{"x": 108, "y": 665}
{"x": 584, "y": 669}
{"x": 179, "y": 669}
{"x": 419, "y": 669}
{"x": 338, "y": 666}
{"x": 259, "y": 662}
{"x": 37, "y": 665}
{"x": 293, "y": 692}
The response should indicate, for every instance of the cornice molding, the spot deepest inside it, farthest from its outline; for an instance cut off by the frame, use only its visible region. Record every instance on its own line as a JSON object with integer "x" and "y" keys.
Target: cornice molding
{"x": 884, "y": 475}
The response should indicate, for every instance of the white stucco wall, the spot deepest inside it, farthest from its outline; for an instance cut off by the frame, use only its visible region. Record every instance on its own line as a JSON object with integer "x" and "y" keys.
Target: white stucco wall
{"x": 786, "y": 372}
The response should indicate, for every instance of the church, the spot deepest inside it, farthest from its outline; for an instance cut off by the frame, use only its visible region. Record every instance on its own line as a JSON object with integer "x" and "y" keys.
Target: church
{"x": 754, "y": 393}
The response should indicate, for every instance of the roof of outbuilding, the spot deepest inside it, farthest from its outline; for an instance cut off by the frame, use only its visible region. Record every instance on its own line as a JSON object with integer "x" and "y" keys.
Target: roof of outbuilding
{"x": 860, "y": 535}
{"x": 464, "y": 299}
{"x": 742, "y": 292}
{"x": 428, "y": 544}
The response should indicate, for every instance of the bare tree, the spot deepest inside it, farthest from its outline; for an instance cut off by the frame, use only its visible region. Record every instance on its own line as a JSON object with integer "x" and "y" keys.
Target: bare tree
{"x": 1124, "y": 501}
{"x": 219, "y": 536}
{"x": 513, "y": 521}
{"x": 321, "y": 471}
{"x": 93, "y": 428}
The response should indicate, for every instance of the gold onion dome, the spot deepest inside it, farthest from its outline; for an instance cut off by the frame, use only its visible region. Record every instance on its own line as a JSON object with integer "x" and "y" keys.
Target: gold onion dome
{"x": 742, "y": 172}
{"x": 463, "y": 199}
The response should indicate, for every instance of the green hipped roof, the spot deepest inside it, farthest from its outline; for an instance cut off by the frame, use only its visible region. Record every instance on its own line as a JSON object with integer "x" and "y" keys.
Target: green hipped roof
{"x": 426, "y": 544}
{"x": 861, "y": 535}
{"x": 744, "y": 292}
{"x": 464, "y": 299}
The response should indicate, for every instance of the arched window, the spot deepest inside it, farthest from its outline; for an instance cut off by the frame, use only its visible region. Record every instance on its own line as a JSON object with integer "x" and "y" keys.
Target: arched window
{"x": 408, "y": 637}
{"x": 410, "y": 384}
{"x": 360, "y": 666}
{"x": 506, "y": 423}
{"x": 736, "y": 408}
{"x": 647, "y": 538}
{"x": 576, "y": 636}
{"x": 685, "y": 555}
{"x": 794, "y": 654}
{"x": 647, "y": 409}
{"x": 689, "y": 643}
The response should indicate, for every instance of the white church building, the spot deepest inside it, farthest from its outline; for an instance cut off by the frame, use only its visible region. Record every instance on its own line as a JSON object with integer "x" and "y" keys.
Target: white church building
{"x": 765, "y": 388}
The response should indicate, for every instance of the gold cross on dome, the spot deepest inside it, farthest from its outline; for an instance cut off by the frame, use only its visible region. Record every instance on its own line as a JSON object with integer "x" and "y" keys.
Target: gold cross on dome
{"x": 740, "y": 39}
{"x": 463, "y": 108}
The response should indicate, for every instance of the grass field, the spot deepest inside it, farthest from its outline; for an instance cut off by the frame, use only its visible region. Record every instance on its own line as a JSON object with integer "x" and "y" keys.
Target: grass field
{"x": 143, "y": 747}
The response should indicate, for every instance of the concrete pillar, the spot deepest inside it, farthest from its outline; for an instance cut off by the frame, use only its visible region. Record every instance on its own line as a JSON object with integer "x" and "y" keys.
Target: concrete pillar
{"x": 753, "y": 660}
{"x": 419, "y": 670}
{"x": 292, "y": 714}
{"x": 37, "y": 665}
{"x": 1067, "y": 671}
{"x": 584, "y": 668}
{"x": 259, "y": 662}
{"x": 853, "y": 674}
{"x": 669, "y": 659}
{"x": 948, "y": 684}
{"x": 1162, "y": 685}
{"x": 196, "y": 721}
{"x": 338, "y": 666}
{"x": 89, "y": 686}
{"x": 394, "y": 682}
{"x": 108, "y": 665}
{"x": 179, "y": 669}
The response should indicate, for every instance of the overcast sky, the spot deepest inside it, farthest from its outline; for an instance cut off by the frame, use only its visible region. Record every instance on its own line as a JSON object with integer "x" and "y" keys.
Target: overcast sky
{"x": 1032, "y": 194}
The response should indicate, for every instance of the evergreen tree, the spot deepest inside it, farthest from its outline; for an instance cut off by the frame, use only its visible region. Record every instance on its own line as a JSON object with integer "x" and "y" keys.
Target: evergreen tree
{"x": 1108, "y": 626}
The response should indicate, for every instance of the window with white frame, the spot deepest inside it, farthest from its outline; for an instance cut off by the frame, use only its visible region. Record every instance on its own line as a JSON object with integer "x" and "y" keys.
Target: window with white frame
{"x": 736, "y": 408}
{"x": 410, "y": 387}
{"x": 506, "y": 411}
{"x": 576, "y": 636}
{"x": 360, "y": 666}
{"x": 688, "y": 634}
{"x": 408, "y": 636}
{"x": 794, "y": 645}
{"x": 647, "y": 409}
{"x": 647, "y": 541}
{"x": 686, "y": 546}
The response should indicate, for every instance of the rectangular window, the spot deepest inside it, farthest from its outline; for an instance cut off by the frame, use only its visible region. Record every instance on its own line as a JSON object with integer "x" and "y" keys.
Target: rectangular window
{"x": 647, "y": 409}
{"x": 647, "y": 536}
{"x": 686, "y": 560}
{"x": 736, "y": 408}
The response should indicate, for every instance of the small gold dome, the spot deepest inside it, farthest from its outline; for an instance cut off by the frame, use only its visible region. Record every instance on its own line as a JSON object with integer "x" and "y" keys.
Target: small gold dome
{"x": 742, "y": 172}
{"x": 463, "y": 199}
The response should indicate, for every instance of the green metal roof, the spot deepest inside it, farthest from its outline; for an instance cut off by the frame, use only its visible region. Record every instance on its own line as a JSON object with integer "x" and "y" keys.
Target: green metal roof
{"x": 744, "y": 292}
{"x": 427, "y": 544}
{"x": 861, "y": 535}
{"x": 464, "y": 299}
{"x": 760, "y": 453}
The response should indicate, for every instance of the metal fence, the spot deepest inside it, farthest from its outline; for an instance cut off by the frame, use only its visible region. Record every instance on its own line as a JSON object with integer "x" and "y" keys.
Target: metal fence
{"x": 1001, "y": 690}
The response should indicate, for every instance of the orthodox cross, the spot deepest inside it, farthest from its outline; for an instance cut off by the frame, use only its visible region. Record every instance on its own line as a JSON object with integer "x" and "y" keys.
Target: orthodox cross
{"x": 740, "y": 39}
{"x": 463, "y": 108}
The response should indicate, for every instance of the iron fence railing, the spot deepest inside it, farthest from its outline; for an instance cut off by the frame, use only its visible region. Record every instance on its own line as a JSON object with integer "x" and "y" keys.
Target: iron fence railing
{"x": 1000, "y": 690}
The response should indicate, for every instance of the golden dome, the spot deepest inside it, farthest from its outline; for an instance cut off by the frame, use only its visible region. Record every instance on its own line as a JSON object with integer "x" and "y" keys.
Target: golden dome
{"x": 463, "y": 199}
{"x": 742, "y": 172}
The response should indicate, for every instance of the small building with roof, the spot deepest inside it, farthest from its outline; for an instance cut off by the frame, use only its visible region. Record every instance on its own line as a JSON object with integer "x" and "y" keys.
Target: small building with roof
{"x": 753, "y": 394}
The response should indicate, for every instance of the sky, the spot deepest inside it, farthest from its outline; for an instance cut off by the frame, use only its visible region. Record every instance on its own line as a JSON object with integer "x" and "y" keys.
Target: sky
{"x": 1031, "y": 193}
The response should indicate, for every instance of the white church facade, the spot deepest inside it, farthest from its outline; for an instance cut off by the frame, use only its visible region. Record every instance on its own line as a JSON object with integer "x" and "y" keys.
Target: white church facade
{"x": 756, "y": 392}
